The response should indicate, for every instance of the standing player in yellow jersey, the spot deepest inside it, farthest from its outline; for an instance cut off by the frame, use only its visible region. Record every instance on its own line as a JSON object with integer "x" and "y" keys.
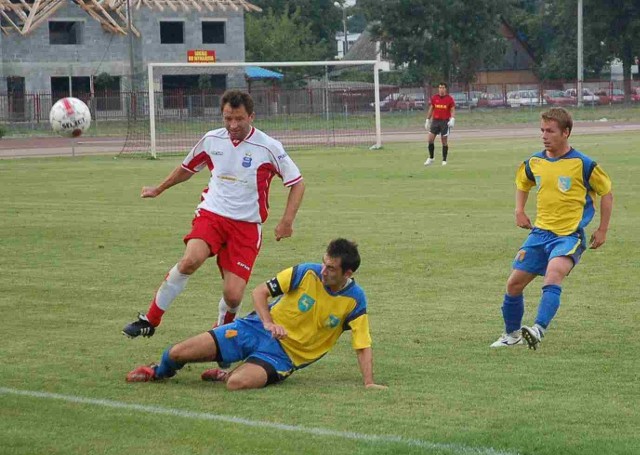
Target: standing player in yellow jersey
{"x": 314, "y": 304}
{"x": 567, "y": 183}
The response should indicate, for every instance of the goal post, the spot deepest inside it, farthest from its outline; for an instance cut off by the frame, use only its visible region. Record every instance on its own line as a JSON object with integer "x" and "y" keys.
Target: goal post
{"x": 314, "y": 103}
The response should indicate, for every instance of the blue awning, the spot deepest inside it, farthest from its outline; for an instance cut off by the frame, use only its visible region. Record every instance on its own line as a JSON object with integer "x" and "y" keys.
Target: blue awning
{"x": 255, "y": 72}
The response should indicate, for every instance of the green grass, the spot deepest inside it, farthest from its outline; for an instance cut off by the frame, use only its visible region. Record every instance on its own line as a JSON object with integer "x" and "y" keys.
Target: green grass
{"x": 472, "y": 118}
{"x": 411, "y": 120}
{"x": 81, "y": 253}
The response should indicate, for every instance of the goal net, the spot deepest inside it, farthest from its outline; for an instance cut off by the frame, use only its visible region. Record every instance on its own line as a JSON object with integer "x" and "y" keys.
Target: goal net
{"x": 301, "y": 104}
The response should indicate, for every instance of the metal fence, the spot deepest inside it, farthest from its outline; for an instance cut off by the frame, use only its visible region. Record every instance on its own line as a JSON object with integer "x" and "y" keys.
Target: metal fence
{"x": 28, "y": 113}
{"x": 562, "y": 93}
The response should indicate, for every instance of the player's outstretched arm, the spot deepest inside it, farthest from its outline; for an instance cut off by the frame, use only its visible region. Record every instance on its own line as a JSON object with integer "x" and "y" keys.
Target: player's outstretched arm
{"x": 178, "y": 175}
{"x": 284, "y": 229}
{"x": 365, "y": 362}
{"x": 599, "y": 236}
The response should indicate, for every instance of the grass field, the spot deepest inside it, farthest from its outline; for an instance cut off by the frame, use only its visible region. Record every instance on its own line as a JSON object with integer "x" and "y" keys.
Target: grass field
{"x": 467, "y": 118}
{"x": 80, "y": 253}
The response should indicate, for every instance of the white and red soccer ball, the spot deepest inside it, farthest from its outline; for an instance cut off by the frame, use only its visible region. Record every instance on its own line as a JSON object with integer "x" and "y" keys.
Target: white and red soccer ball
{"x": 70, "y": 117}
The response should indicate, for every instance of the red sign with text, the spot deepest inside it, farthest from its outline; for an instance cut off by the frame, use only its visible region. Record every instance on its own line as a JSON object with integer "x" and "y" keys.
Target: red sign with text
{"x": 200, "y": 56}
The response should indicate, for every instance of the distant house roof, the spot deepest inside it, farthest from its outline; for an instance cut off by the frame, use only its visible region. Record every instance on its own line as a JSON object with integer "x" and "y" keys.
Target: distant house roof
{"x": 255, "y": 72}
{"x": 363, "y": 49}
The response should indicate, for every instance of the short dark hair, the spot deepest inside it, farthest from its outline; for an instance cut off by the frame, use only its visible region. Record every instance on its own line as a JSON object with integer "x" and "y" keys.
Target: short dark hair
{"x": 237, "y": 98}
{"x": 348, "y": 253}
{"x": 445, "y": 85}
{"x": 559, "y": 115}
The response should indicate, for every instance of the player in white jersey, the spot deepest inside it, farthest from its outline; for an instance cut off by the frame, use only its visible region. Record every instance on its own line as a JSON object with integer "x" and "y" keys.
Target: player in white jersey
{"x": 242, "y": 161}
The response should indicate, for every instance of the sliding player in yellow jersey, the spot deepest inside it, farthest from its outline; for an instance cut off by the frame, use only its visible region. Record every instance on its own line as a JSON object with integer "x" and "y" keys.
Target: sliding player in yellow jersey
{"x": 314, "y": 304}
{"x": 567, "y": 184}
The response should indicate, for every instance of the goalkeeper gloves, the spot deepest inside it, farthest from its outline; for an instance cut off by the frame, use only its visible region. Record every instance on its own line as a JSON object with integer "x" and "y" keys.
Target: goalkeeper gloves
{"x": 427, "y": 124}
{"x": 451, "y": 122}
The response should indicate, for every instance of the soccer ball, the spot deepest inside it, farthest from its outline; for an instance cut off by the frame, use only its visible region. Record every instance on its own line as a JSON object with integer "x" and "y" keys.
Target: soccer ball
{"x": 70, "y": 117}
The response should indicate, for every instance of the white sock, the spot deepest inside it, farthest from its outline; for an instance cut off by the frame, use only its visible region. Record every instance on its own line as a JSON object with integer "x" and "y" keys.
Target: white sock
{"x": 170, "y": 288}
{"x": 223, "y": 309}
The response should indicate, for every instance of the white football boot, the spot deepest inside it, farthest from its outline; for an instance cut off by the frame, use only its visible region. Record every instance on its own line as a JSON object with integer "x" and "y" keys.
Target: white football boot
{"x": 428, "y": 162}
{"x": 508, "y": 339}
{"x": 533, "y": 335}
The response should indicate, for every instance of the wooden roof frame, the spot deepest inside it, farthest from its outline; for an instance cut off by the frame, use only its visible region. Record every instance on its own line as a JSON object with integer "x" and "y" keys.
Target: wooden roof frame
{"x": 23, "y": 16}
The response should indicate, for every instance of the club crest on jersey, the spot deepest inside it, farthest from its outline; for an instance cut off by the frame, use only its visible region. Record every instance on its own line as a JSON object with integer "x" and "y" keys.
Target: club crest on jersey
{"x": 305, "y": 303}
{"x": 246, "y": 161}
{"x": 564, "y": 183}
{"x": 332, "y": 321}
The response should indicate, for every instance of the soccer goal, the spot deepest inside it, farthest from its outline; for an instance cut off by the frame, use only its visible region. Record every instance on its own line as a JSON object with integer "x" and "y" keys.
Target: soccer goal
{"x": 301, "y": 104}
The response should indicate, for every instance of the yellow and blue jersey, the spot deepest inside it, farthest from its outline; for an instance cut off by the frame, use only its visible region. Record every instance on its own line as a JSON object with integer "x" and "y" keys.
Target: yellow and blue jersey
{"x": 314, "y": 316}
{"x": 567, "y": 189}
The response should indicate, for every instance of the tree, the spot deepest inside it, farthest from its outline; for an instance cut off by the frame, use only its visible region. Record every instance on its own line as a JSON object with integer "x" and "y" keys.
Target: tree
{"x": 321, "y": 17}
{"x": 280, "y": 37}
{"x": 104, "y": 81}
{"x": 610, "y": 31}
{"x": 550, "y": 29}
{"x": 440, "y": 39}
{"x": 273, "y": 37}
{"x": 615, "y": 25}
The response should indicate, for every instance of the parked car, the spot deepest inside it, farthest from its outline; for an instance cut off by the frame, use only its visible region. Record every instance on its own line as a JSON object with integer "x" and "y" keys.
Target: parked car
{"x": 408, "y": 102}
{"x": 474, "y": 97}
{"x": 558, "y": 98}
{"x": 388, "y": 101}
{"x": 492, "y": 100}
{"x": 524, "y": 98}
{"x": 462, "y": 99}
{"x": 613, "y": 96}
{"x": 588, "y": 97}
{"x": 467, "y": 100}
{"x": 418, "y": 100}
{"x": 402, "y": 102}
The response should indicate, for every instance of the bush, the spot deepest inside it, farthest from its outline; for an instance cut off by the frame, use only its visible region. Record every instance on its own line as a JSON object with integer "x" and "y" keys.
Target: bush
{"x": 3, "y": 131}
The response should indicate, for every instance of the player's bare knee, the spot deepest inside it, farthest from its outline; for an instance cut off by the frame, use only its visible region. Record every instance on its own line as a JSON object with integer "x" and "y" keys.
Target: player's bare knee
{"x": 233, "y": 297}
{"x": 188, "y": 265}
{"x": 553, "y": 277}
{"x": 179, "y": 353}
{"x": 239, "y": 382}
{"x": 515, "y": 287}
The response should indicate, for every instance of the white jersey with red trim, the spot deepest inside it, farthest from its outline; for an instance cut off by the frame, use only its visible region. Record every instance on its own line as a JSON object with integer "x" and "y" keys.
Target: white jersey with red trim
{"x": 241, "y": 173}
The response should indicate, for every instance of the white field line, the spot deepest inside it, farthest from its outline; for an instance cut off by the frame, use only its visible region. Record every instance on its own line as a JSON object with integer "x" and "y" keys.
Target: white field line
{"x": 456, "y": 449}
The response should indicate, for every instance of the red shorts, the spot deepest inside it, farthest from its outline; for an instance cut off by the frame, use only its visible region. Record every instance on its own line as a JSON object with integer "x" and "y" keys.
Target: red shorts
{"x": 236, "y": 243}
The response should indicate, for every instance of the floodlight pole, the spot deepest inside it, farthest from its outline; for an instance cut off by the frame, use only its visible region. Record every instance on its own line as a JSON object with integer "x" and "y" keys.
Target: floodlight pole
{"x": 345, "y": 41}
{"x": 344, "y": 26}
{"x": 580, "y": 69}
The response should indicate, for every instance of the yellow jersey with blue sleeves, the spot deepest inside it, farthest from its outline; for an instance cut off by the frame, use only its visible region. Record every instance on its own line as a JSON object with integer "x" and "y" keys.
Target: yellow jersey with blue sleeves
{"x": 314, "y": 316}
{"x": 567, "y": 189}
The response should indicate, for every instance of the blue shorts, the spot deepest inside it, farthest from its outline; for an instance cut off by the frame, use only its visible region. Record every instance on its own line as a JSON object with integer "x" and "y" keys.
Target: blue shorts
{"x": 246, "y": 339}
{"x": 541, "y": 246}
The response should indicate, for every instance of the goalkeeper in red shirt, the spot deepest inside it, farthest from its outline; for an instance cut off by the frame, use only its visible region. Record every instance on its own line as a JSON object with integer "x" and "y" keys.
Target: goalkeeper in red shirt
{"x": 440, "y": 120}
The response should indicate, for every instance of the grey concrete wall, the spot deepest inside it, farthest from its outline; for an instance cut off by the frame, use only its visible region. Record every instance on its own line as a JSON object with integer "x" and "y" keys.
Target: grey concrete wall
{"x": 33, "y": 58}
